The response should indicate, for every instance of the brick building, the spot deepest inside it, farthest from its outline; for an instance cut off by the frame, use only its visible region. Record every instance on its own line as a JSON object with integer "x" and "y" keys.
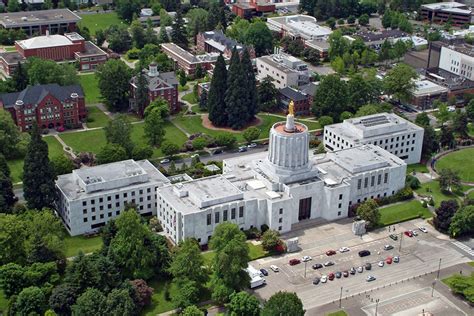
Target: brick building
{"x": 300, "y": 100}
{"x": 51, "y": 106}
{"x": 162, "y": 85}
{"x": 70, "y": 46}
{"x": 458, "y": 13}
{"x": 186, "y": 61}
{"x": 248, "y": 10}
{"x": 55, "y": 21}
{"x": 217, "y": 42}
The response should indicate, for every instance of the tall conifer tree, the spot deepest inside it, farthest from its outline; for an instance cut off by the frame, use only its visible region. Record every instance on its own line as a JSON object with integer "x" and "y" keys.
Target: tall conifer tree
{"x": 217, "y": 91}
{"x": 235, "y": 95}
{"x": 251, "y": 100}
{"x": 178, "y": 33}
{"x": 38, "y": 175}
{"x": 7, "y": 196}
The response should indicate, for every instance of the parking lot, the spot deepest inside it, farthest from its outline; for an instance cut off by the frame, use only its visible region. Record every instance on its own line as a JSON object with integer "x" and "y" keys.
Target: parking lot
{"x": 418, "y": 255}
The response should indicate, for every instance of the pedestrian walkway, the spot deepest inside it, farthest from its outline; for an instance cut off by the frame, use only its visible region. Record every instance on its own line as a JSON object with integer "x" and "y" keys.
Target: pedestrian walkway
{"x": 464, "y": 247}
{"x": 66, "y": 148}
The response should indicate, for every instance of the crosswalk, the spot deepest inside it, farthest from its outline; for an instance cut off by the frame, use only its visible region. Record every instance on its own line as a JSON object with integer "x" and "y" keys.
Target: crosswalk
{"x": 464, "y": 247}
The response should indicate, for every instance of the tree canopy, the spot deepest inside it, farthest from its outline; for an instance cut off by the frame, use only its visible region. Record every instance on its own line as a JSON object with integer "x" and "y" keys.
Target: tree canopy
{"x": 283, "y": 303}
{"x": 114, "y": 83}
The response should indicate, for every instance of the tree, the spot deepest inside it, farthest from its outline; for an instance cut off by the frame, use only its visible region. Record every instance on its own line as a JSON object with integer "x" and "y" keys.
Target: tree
{"x": 232, "y": 257}
{"x": 345, "y": 115}
{"x": 199, "y": 143}
{"x": 364, "y": 19}
{"x": 198, "y": 20}
{"x": 20, "y": 77}
{"x": 119, "y": 303}
{"x": 141, "y": 93}
{"x": 251, "y": 134}
{"x": 325, "y": 120}
{"x": 369, "y": 109}
{"x": 137, "y": 33}
{"x": 446, "y": 138}
{"x": 30, "y": 301}
{"x": 165, "y": 18}
{"x": 283, "y": 303}
{"x": 118, "y": 132}
{"x": 199, "y": 72}
{"x": 449, "y": 180}
{"x": 188, "y": 263}
{"x": 270, "y": 239}
{"x": 422, "y": 119}
{"x": 267, "y": 95}
{"x": 62, "y": 165}
{"x": 62, "y": 298}
{"x": 331, "y": 22}
{"x": 338, "y": 45}
{"x": 203, "y": 100}
{"x": 161, "y": 105}
{"x": 9, "y": 134}
{"x": 150, "y": 35}
{"x": 462, "y": 222}
{"x": 430, "y": 142}
{"x": 169, "y": 149}
{"x": 260, "y": 37}
{"x": 178, "y": 32}
{"x": 226, "y": 139}
{"x": 13, "y": 6}
{"x": 331, "y": 97}
{"x": 114, "y": 83}
{"x": 470, "y": 110}
{"x": 399, "y": 82}
{"x": 235, "y": 96}
{"x": 369, "y": 211}
{"x": 250, "y": 85}
{"x": 192, "y": 310}
{"x": 444, "y": 215}
{"x": 188, "y": 293}
{"x": 91, "y": 302}
{"x": 111, "y": 153}
{"x": 216, "y": 99}
{"x": 38, "y": 176}
{"x": 142, "y": 293}
{"x": 363, "y": 89}
{"x": 243, "y": 304}
{"x": 163, "y": 35}
{"x": 459, "y": 125}
{"x": 154, "y": 127}
{"x": 238, "y": 30}
{"x": 182, "y": 78}
{"x": 7, "y": 196}
{"x": 41, "y": 71}
{"x": 137, "y": 252}
{"x": 141, "y": 152}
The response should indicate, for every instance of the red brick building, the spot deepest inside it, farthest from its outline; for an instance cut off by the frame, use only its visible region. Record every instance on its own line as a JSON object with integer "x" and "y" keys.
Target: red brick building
{"x": 248, "y": 10}
{"x": 186, "y": 61}
{"x": 70, "y": 46}
{"x": 162, "y": 85}
{"x": 217, "y": 42}
{"x": 51, "y": 106}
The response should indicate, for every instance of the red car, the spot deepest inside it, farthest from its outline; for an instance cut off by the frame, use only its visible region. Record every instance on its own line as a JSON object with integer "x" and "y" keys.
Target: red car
{"x": 388, "y": 260}
{"x": 330, "y": 252}
{"x": 331, "y": 276}
{"x": 408, "y": 233}
{"x": 294, "y": 262}
{"x": 60, "y": 129}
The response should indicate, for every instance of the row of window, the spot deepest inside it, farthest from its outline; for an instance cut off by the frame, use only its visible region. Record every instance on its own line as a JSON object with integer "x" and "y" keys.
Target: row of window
{"x": 110, "y": 214}
{"x": 117, "y": 196}
{"x": 225, "y": 215}
{"x": 372, "y": 181}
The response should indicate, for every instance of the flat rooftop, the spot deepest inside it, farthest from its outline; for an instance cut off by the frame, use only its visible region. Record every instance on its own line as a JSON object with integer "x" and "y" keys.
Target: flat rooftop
{"x": 40, "y": 17}
{"x": 444, "y": 5}
{"x": 461, "y": 47}
{"x": 300, "y": 24}
{"x": 275, "y": 64}
{"x": 44, "y": 41}
{"x": 426, "y": 87}
{"x": 90, "y": 49}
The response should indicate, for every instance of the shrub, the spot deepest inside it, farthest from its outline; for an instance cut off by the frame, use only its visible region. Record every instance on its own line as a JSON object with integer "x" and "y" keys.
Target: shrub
{"x": 252, "y": 233}
{"x": 133, "y": 53}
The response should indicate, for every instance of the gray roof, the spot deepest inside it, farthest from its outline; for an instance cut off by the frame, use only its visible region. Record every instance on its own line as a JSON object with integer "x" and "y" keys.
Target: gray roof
{"x": 309, "y": 89}
{"x": 293, "y": 94}
{"x": 34, "y": 94}
{"x": 221, "y": 38}
{"x": 167, "y": 78}
{"x": 380, "y": 35}
{"x": 40, "y": 17}
{"x": 12, "y": 58}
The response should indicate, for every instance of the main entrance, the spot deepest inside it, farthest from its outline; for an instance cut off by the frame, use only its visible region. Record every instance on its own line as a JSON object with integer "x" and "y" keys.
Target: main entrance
{"x": 305, "y": 209}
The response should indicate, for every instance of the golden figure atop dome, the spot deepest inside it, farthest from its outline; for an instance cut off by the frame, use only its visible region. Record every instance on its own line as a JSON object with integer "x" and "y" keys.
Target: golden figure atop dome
{"x": 291, "y": 108}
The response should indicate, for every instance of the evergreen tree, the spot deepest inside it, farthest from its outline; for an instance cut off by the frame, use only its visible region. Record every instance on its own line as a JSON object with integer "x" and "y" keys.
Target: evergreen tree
{"x": 235, "y": 96}
{"x": 222, "y": 16}
{"x": 4, "y": 166}
{"x": 141, "y": 93}
{"x": 178, "y": 33}
{"x": 163, "y": 36}
{"x": 216, "y": 98}
{"x": 250, "y": 83}
{"x": 20, "y": 77}
{"x": 38, "y": 175}
{"x": 7, "y": 196}
{"x": 213, "y": 17}
{"x": 203, "y": 100}
{"x": 150, "y": 36}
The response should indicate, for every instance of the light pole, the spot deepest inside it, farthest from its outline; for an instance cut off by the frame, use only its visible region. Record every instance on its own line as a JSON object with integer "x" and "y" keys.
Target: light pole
{"x": 400, "y": 246}
{"x": 340, "y": 298}
{"x": 432, "y": 287}
{"x": 439, "y": 268}
{"x": 376, "y": 306}
{"x": 305, "y": 269}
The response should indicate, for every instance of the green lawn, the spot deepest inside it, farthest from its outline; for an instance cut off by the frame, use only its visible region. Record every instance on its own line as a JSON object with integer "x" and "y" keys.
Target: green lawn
{"x": 432, "y": 188}
{"x": 172, "y": 133}
{"x": 471, "y": 263}
{"x": 461, "y": 161}
{"x": 255, "y": 252}
{"x": 417, "y": 167}
{"x": 81, "y": 243}
{"x": 90, "y": 85}
{"x": 3, "y": 303}
{"x": 471, "y": 195}
{"x": 338, "y": 313}
{"x": 99, "y": 118}
{"x": 158, "y": 303}
{"x": 99, "y": 21}
{"x": 197, "y": 109}
{"x": 403, "y": 212}
{"x": 183, "y": 88}
{"x": 190, "y": 97}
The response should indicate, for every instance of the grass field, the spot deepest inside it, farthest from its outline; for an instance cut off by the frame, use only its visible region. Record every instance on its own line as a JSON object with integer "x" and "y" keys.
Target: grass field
{"x": 438, "y": 195}
{"x": 99, "y": 118}
{"x": 338, "y": 313}
{"x": 417, "y": 167}
{"x": 81, "y": 243}
{"x": 190, "y": 97}
{"x": 471, "y": 263}
{"x": 255, "y": 252}
{"x": 158, "y": 303}
{"x": 402, "y": 212}
{"x": 99, "y": 21}
{"x": 470, "y": 128}
{"x": 90, "y": 85}
{"x": 3, "y": 303}
{"x": 461, "y": 161}
{"x": 196, "y": 109}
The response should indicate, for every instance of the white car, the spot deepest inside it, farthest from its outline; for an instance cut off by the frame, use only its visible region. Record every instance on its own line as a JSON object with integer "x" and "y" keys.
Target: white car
{"x": 396, "y": 259}
{"x": 370, "y": 278}
{"x": 274, "y": 268}
{"x": 343, "y": 249}
{"x": 451, "y": 108}
{"x": 360, "y": 269}
{"x": 252, "y": 145}
{"x": 324, "y": 279}
{"x": 414, "y": 233}
{"x": 195, "y": 155}
{"x": 423, "y": 229}
{"x": 381, "y": 263}
{"x": 164, "y": 161}
{"x": 306, "y": 259}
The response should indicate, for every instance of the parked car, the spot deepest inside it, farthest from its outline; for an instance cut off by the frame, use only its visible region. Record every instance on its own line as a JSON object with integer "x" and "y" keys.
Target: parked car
{"x": 370, "y": 278}
{"x": 364, "y": 253}
{"x": 294, "y": 262}
{"x": 414, "y": 233}
{"x": 331, "y": 276}
{"x": 60, "y": 129}
{"x": 387, "y": 247}
{"x": 352, "y": 271}
{"x": 368, "y": 266}
{"x": 306, "y": 259}
{"x": 360, "y": 269}
{"x": 330, "y": 252}
{"x": 343, "y": 249}
{"x": 422, "y": 229}
{"x": 396, "y": 259}
{"x": 324, "y": 279}
{"x": 381, "y": 263}
{"x": 163, "y": 161}
{"x": 316, "y": 281}
{"x": 338, "y": 274}
{"x": 408, "y": 233}
{"x": 264, "y": 272}
{"x": 317, "y": 266}
{"x": 389, "y": 260}
{"x": 329, "y": 263}
{"x": 252, "y": 145}
{"x": 274, "y": 268}
{"x": 217, "y": 151}
{"x": 345, "y": 273}
{"x": 195, "y": 156}
{"x": 393, "y": 236}
{"x": 242, "y": 149}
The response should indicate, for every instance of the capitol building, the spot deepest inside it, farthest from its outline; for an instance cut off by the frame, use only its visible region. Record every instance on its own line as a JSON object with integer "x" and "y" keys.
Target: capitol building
{"x": 282, "y": 187}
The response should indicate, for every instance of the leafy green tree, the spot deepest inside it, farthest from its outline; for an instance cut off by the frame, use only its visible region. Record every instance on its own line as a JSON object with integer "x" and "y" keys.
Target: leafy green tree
{"x": 192, "y": 310}
{"x": 41, "y": 71}
{"x": 114, "y": 83}
{"x": 369, "y": 109}
{"x": 363, "y": 89}
{"x": 422, "y": 119}
{"x": 270, "y": 239}
{"x": 165, "y": 18}
{"x": 198, "y": 20}
{"x": 13, "y": 6}
{"x": 459, "y": 124}
{"x": 62, "y": 165}
{"x": 338, "y": 45}
{"x": 141, "y": 92}
{"x": 150, "y": 35}
{"x": 138, "y": 34}
{"x": 161, "y": 105}
{"x": 20, "y": 77}
{"x": 331, "y": 22}
{"x": 9, "y": 134}
{"x": 163, "y": 35}
{"x": 470, "y": 110}
{"x": 38, "y": 176}
{"x": 62, "y": 298}
{"x": 111, "y": 153}
{"x": 345, "y": 115}
{"x": 119, "y": 303}
{"x": 364, "y": 19}
{"x": 260, "y": 37}
{"x": 462, "y": 222}
{"x": 283, "y": 303}
{"x": 444, "y": 215}
{"x": 142, "y": 152}
{"x": 449, "y": 180}
{"x": 118, "y": 131}
{"x": 331, "y": 97}
{"x": 169, "y": 149}
{"x": 91, "y": 302}
{"x": 7, "y": 196}
{"x": 251, "y": 134}
{"x": 216, "y": 99}
{"x": 369, "y": 211}
{"x": 250, "y": 84}
{"x": 100, "y": 37}
{"x": 31, "y": 301}
{"x": 182, "y": 78}
{"x": 267, "y": 95}
{"x": 232, "y": 256}
{"x": 399, "y": 82}
{"x": 235, "y": 96}
{"x": 203, "y": 100}
{"x": 154, "y": 127}
{"x": 199, "y": 143}
{"x": 137, "y": 252}
{"x": 226, "y": 139}
{"x": 238, "y": 30}
{"x": 188, "y": 263}
{"x": 188, "y": 293}
{"x": 325, "y": 120}
{"x": 142, "y": 293}
{"x": 243, "y": 304}
{"x": 178, "y": 33}
{"x": 443, "y": 115}
{"x": 430, "y": 142}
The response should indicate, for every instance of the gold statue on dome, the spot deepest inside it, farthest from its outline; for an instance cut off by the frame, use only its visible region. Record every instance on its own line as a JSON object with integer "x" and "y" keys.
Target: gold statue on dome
{"x": 291, "y": 108}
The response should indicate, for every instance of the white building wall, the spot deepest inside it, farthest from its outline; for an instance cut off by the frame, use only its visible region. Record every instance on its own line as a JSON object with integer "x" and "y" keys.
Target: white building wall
{"x": 281, "y": 79}
{"x": 457, "y": 63}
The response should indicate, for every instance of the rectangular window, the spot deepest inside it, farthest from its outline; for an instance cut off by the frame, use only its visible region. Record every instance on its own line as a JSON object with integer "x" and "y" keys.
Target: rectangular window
{"x": 280, "y": 228}
{"x": 216, "y": 217}
{"x": 232, "y": 213}
{"x": 84, "y": 203}
{"x": 93, "y": 218}
{"x": 241, "y": 211}
{"x": 340, "y": 205}
{"x": 379, "y": 179}
{"x": 280, "y": 220}
{"x": 340, "y": 196}
{"x": 117, "y": 196}
{"x": 372, "y": 181}
{"x": 92, "y": 202}
{"x": 339, "y": 213}
{"x": 281, "y": 211}
{"x": 85, "y": 219}
{"x": 110, "y": 214}
{"x": 209, "y": 219}
{"x": 109, "y": 198}
{"x": 125, "y": 195}
{"x": 84, "y": 211}
{"x": 101, "y": 200}
{"x": 366, "y": 182}
{"x": 359, "y": 184}
{"x": 385, "y": 179}
{"x": 225, "y": 215}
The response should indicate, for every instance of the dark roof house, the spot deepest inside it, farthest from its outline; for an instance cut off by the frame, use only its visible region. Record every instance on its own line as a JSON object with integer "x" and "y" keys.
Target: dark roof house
{"x": 34, "y": 94}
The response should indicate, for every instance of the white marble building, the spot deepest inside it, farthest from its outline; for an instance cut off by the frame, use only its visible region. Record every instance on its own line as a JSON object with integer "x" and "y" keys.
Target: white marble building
{"x": 279, "y": 188}
{"x": 389, "y": 131}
